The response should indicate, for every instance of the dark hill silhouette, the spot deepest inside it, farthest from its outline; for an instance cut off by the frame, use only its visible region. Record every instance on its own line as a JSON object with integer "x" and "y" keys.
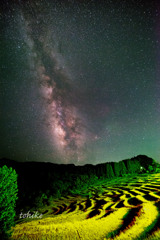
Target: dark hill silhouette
{"x": 36, "y": 167}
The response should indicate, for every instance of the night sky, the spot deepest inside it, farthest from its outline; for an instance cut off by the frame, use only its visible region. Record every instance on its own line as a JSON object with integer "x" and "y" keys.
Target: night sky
{"x": 79, "y": 80}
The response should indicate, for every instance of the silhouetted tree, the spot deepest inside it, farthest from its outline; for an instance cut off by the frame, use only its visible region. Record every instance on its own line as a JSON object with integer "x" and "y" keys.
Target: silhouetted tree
{"x": 123, "y": 169}
{"x": 109, "y": 171}
{"x": 116, "y": 169}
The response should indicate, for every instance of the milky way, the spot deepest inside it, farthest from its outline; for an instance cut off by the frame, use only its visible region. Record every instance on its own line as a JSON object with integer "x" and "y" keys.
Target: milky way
{"x": 66, "y": 125}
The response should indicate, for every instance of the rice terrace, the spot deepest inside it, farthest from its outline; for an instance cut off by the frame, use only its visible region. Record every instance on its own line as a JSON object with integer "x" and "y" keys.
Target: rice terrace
{"x": 94, "y": 206}
{"x": 126, "y": 208}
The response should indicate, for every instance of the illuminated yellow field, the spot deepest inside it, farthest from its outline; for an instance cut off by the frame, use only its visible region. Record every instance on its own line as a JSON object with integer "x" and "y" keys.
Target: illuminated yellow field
{"x": 125, "y": 208}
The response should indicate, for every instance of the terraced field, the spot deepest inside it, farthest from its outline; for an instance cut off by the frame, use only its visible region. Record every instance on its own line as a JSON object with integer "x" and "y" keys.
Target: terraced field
{"x": 124, "y": 208}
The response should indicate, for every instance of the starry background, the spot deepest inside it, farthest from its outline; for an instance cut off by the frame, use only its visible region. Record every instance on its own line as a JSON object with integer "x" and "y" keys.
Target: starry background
{"x": 79, "y": 80}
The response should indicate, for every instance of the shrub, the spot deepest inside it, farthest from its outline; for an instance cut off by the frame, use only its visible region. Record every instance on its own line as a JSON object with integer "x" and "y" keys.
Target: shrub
{"x": 8, "y": 197}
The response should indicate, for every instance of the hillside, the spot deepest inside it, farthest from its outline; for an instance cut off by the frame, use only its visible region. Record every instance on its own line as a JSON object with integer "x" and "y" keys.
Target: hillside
{"x": 37, "y": 181}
